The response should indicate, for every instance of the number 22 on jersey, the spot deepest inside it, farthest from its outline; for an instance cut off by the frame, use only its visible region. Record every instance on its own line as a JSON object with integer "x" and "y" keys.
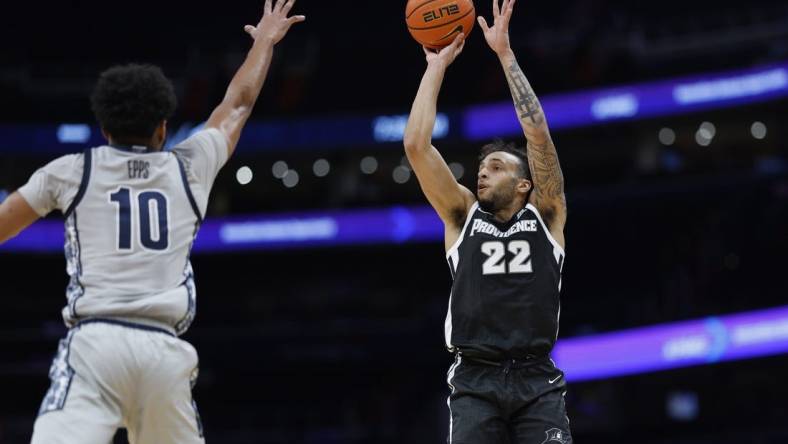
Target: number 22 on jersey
{"x": 496, "y": 257}
{"x": 150, "y": 207}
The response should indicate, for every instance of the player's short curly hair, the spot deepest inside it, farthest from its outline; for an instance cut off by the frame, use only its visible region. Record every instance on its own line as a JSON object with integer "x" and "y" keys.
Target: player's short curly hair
{"x": 130, "y": 101}
{"x": 511, "y": 148}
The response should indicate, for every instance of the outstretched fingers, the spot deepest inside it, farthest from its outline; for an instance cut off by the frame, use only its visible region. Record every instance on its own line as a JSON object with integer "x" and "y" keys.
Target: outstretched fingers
{"x": 507, "y": 12}
{"x": 287, "y": 6}
{"x": 296, "y": 19}
{"x": 483, "y": 24}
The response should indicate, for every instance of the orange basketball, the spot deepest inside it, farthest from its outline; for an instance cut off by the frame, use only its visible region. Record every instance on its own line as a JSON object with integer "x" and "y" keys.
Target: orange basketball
{"x": 435, "y": 23}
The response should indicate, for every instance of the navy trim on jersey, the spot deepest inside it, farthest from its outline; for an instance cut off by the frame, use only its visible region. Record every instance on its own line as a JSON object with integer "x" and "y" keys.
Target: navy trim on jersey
{"x": 126, "y": 324}
{"x": 197, "y": 417}
{"x": 136, "y": 149}
{"x": 183, "y": 324}
{"x": 189, "y": 190}
{"x": 83, "y": 185}
{"x": 191, "y": 304}
{"x": 79, "y": 270}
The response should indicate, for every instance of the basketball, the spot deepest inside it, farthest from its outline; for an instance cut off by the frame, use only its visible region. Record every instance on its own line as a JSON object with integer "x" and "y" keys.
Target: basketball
{"x": 435, "y": 23}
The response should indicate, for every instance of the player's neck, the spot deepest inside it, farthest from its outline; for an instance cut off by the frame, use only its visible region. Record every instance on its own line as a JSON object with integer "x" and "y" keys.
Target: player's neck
{"x": 505, "y": 214}
{"x": 148, "y": 143}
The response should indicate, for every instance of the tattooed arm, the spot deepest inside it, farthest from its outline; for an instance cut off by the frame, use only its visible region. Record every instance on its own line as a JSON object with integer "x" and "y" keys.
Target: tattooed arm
{"x": 548, "y": 193}
{"x": 548, "y": 180}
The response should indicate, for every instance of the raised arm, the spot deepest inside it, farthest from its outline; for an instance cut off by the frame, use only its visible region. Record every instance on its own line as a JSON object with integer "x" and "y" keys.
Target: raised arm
{"x": 15, "y": 215}
{"x": 236, "y": 107}
{"x": 450, "y": 199}
{"x": 548, "y": 180}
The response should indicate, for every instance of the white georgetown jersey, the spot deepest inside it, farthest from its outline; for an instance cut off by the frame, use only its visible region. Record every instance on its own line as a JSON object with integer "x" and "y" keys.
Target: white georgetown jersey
{"x": 131, "y": 217}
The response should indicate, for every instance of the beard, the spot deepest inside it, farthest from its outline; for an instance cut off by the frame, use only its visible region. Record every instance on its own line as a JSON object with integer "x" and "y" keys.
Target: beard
{"x": 498, "y": 199}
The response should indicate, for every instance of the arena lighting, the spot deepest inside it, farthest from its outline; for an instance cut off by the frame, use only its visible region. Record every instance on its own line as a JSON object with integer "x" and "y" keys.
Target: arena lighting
{"x": 401, "y": 174}
{"x": 321, "y": 168}
{"x": 291, "y": 178}
{"x": 73, "y": 133}
{"x": 758, "y": 130}
{"x": 392, "y": 128}
{"x": 571, "y": 110}
{"x": 642, "y": 100}
{"x": 369, "y": 165}
{"x": 708, "y": 129}
{"x": 457, "y": 170}
{"x": 279, "y": 169}
{"x": 350, "y": 227}
{"x": 244, "y": 175}
{"x": 667, "y": 136}
{"x": 674, "y": 345}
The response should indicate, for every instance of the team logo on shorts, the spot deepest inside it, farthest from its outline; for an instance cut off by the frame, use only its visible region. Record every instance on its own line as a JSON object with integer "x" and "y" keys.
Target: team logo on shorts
{"x": 556, "y": 435}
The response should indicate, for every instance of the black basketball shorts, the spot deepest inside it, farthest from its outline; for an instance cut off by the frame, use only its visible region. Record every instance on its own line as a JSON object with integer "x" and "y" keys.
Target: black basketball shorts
{"x": 510, "y": 402}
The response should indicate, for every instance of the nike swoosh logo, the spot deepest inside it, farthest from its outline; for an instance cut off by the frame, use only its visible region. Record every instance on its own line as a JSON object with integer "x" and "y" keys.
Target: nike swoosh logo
{"x": 456, "y": 30}
{"x": 552, "y": 381}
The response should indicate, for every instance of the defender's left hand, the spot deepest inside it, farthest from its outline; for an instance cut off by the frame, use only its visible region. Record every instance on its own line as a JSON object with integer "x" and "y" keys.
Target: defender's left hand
{"x": 275, "y": 22}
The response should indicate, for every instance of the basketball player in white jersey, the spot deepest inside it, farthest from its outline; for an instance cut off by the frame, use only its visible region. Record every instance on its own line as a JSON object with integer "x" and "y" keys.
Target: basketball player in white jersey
{"x": 132, "y": 212}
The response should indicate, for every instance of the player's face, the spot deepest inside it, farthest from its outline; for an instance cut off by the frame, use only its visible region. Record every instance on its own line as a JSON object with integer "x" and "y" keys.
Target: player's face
{"x": 497, "y": 181}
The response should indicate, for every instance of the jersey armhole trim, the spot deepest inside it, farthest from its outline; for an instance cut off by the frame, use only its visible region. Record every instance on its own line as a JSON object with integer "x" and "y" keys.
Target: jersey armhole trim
{"x": 188, "y": 189}
{"x": 83, "y": 185}
{"x": 546, "y": 230}
{"x": 468, "y": 218}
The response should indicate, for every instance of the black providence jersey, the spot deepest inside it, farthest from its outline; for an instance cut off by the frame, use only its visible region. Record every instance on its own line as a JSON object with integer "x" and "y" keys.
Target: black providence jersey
{"x": 507, "y": 278}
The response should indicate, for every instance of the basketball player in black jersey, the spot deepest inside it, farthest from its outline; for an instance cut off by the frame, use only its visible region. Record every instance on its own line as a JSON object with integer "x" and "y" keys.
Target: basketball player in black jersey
{"x": 505, "y": 248}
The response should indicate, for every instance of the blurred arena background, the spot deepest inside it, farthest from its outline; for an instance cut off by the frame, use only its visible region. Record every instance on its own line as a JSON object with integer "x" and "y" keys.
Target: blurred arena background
{"x": 322, "y": 283}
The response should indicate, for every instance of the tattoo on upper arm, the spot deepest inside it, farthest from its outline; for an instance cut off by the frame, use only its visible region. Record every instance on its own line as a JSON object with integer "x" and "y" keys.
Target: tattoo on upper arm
{"x": 548, "y": 181}
{"x": 545, "y": 170}
{"x": 525, "y": 101}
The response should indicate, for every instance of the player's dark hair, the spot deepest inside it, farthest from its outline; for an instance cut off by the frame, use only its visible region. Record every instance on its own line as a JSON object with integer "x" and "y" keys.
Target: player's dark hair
{"x": 511, "y": 148}
{"x": 130, "y": 101}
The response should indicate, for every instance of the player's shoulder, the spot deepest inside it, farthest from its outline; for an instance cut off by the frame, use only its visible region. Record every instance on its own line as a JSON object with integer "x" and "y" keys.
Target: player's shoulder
{"x": 205, "y": 137}
{"x": 206, "y": 151}
{"x": 66, "y": 164}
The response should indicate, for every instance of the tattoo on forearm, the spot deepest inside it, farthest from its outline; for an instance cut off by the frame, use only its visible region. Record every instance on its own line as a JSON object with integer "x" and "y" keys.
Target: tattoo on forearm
{"x": 525, "y": 101}
{"x": 547, "y": 178}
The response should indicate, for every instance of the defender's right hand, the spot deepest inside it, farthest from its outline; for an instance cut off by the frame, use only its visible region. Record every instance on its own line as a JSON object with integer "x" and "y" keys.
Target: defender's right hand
{"x": 275, "y": 22}
{"x": 448, "y": 54}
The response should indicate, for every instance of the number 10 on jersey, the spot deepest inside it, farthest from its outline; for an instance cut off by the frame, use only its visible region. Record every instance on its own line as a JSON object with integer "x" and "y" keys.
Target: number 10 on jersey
{"x": 496, "y": 257}
{"x": 151, "y": 210}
